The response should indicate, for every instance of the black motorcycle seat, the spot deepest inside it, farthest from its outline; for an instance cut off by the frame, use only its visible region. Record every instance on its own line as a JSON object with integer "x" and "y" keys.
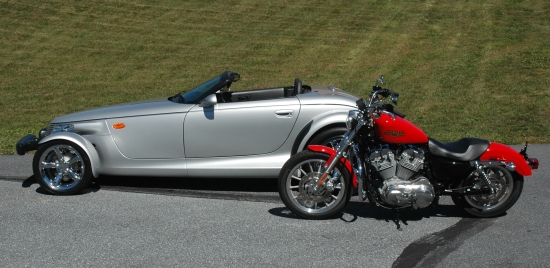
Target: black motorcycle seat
{"x": 466, "y": 149}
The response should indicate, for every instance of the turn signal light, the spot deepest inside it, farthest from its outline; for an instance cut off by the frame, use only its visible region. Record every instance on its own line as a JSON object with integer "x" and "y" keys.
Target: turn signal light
{"x": 119, "y": 125}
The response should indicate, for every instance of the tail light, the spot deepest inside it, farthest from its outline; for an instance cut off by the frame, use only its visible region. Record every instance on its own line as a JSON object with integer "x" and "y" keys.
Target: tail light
{"x": 533, "y": 163}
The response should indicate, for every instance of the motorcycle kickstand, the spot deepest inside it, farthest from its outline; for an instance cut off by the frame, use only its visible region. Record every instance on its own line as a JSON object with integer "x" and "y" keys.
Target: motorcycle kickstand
{"x": 397, "y": 220}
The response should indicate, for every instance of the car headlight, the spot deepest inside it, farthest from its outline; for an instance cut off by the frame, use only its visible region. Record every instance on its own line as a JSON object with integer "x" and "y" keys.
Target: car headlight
{"x": 63, "y": 128}
{"x": 352, "y": 119}
{"x": 43, "y": 133}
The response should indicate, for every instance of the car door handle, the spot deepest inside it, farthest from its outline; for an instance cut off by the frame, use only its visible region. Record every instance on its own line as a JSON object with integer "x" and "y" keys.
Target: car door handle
{"x": 284, "y": 113}
{"x": 243, "y": 98}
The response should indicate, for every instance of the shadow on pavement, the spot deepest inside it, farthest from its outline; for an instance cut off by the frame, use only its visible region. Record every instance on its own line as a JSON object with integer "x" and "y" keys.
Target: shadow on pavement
{"x": 31, "y": 180}
{"x": 258, "y": 190}
{"x": 355, "y": 210}
{"x": 203, "y": 184}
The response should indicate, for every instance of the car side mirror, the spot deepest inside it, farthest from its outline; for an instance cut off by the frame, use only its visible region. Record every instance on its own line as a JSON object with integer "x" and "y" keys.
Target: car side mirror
{"x": 209, "y": 101}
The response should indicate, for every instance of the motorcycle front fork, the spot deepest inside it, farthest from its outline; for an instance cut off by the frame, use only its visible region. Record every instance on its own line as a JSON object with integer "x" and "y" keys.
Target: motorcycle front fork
{"x": 340, "y": 153}
{"x": 359, "y": 170}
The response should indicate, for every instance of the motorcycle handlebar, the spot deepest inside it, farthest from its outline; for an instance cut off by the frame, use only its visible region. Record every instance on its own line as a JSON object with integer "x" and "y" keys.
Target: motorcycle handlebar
{"x": 391, "y": 109}
{"x": 384, "y": 91}
{"x": 402, "y": 115}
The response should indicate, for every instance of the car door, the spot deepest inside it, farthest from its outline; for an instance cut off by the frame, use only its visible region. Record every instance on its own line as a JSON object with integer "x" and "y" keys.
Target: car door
{"x": 150, "y": 130}
{"x": 239, "y": 128}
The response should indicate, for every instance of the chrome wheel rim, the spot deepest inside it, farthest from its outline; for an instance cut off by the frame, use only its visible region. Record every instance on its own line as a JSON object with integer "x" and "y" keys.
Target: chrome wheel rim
{"x": 502, "y": 185}
{"x": 302, "y": 179}
{"x": 61, "y": 167}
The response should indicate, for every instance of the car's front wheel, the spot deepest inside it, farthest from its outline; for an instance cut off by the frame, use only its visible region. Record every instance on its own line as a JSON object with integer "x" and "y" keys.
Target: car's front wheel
{"x": 330, "y": 137}
{"x": 62, "y": 167}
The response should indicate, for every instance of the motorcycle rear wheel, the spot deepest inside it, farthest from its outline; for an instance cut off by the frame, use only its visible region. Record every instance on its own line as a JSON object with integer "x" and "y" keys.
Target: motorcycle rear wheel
{"x": 508, "y": 187}
{"x": 297, "y": 179}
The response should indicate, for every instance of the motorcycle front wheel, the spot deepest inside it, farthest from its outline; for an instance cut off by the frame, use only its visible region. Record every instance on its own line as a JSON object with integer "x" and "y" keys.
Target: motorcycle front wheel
{"x": 296, "y": 184}
{"x": 507, "y": 189}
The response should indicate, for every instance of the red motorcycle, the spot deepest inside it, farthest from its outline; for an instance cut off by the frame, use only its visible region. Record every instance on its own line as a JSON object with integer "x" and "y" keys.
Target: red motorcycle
{"x": 392, "y": 163}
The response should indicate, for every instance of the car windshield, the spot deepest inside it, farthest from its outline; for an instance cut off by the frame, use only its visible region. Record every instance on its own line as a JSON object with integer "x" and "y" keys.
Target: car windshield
{"x": 197, "y": 92}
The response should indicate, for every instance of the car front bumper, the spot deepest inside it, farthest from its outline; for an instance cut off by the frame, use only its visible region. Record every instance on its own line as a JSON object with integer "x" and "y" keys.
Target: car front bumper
{"x": 27, "y": 143}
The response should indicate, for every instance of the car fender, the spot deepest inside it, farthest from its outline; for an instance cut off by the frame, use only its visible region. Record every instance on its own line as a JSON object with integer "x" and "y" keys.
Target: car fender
{"x": 312, "y": 127}
{"x": 86, "y": 145}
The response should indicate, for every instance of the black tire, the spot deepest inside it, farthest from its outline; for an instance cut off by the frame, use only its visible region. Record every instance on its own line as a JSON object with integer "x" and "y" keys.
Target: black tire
{"x": 330, "y": 137}
{"x": 296, "y": 194}
{"x": 61, "y": 167}
{"x": 508, "y": 186}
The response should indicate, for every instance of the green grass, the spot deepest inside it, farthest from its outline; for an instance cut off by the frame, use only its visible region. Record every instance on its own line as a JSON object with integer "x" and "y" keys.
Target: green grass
{"x": 463, "y": 68}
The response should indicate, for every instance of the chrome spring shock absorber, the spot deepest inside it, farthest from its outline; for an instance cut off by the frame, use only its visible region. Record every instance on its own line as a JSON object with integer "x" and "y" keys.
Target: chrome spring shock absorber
{"x": 484, "y": 176}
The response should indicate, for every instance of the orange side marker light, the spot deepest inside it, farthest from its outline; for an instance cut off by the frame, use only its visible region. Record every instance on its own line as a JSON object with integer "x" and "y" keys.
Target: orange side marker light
{"x": 119, "y": 125}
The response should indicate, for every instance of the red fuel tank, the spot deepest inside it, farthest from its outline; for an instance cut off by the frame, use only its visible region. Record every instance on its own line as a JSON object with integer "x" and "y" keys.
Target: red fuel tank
{"x": 398, "y": 130}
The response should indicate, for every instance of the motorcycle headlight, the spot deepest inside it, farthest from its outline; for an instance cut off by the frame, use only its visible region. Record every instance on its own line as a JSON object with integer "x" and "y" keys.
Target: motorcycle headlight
{"x": 63, "y": 128}
{"x": 351, "y": 121}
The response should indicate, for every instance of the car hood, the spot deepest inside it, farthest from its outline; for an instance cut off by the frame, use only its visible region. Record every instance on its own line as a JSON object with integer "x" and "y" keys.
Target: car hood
{"x": 147, "y": 107}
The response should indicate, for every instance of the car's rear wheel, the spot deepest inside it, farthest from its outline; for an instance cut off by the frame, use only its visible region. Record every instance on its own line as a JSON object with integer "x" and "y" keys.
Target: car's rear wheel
{"x": 62, "y": 167}
{"x": 330, "y": 137}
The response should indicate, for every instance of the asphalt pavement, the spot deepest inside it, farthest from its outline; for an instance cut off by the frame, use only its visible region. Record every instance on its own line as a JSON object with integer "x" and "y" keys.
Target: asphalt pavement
{"x": 144, "y": 222}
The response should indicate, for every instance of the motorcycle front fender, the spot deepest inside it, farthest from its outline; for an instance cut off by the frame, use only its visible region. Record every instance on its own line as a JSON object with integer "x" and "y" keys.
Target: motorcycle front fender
{"x": 332, "y": 153}
{"x": 500, "y": 152}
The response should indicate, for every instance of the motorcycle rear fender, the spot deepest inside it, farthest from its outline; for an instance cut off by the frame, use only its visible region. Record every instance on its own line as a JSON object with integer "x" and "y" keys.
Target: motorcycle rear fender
{"x": 332, "y": 153}
{"x": 500, "y": 152}
{"x": 86, "y": 145}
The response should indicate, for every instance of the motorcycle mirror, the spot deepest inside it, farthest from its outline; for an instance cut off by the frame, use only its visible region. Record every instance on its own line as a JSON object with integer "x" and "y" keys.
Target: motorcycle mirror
{"x": 380, "y": 79}
{"x": 394, "y": 97}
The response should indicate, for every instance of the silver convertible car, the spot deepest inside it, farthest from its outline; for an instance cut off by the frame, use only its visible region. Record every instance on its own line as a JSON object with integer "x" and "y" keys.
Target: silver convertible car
{"x": 208, "y": 131}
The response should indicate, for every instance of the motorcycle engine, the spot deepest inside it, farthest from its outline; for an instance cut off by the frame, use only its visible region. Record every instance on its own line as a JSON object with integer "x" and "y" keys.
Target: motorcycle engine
{"x": 400, "y": 181}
